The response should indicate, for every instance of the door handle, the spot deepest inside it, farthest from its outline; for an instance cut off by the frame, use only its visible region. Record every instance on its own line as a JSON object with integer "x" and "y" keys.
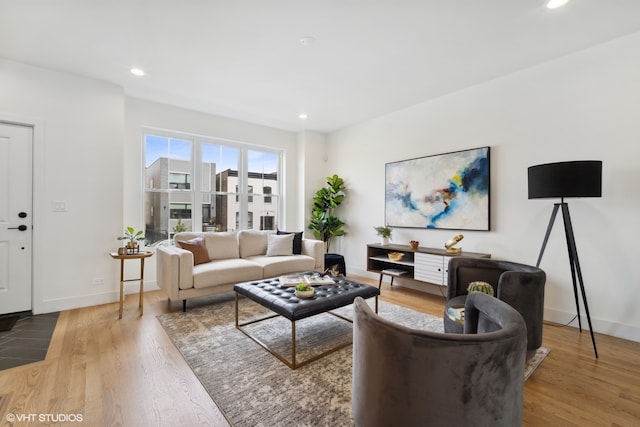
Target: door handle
{"x": 20, "y": 227}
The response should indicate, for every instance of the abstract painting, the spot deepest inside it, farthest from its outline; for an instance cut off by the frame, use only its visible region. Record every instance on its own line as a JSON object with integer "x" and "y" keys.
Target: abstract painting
{"x": 445, "y": 191}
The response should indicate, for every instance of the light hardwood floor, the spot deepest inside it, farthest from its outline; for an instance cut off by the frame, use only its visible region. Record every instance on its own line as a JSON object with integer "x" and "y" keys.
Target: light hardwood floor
{"x": 128, "y": 373}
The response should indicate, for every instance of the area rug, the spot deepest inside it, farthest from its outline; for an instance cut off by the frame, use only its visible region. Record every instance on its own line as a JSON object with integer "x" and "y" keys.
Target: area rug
{"x": 252, "y": 388}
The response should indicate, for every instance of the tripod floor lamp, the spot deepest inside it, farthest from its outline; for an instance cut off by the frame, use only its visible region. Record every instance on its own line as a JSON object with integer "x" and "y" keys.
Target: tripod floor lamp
{"x": 560, "y": 180}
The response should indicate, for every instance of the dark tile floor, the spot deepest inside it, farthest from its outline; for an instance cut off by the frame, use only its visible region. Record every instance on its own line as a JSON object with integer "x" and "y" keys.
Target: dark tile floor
{"x": 28, "y": 341}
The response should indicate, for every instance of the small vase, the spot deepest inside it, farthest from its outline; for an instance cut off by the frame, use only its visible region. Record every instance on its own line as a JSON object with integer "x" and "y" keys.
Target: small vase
{"x": 384, "y": 241}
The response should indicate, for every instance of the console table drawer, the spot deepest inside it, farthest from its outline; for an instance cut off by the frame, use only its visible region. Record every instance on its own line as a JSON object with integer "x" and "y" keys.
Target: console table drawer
{"x": 430, "y": 268}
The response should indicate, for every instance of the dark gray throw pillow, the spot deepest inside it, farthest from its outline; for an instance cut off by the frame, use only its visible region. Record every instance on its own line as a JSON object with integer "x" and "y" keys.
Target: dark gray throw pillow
{"x": 297, "y": 240}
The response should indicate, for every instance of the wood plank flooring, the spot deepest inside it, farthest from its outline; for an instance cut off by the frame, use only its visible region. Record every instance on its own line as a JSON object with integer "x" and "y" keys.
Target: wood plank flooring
{"x": 128, "y": 373}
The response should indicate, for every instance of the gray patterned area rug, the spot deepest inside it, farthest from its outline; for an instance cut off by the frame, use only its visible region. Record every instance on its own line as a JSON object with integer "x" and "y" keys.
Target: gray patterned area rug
{"x": 253, "y": 388}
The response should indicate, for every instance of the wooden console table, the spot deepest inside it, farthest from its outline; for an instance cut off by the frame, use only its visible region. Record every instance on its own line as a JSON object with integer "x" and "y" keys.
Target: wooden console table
{"x": 428, "y": 265}
{"x": 141, "y": 256}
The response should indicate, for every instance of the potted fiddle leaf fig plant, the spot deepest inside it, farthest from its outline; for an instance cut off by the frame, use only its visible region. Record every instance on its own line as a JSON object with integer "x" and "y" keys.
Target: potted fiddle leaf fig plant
{"x": 133, "y": 236}
{"x": 324, "y": 224}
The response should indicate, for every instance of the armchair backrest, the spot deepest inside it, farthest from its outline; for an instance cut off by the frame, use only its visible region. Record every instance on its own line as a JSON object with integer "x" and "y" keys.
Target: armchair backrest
{"x": 408, "y": 377}
{"x": 519, "y": 285}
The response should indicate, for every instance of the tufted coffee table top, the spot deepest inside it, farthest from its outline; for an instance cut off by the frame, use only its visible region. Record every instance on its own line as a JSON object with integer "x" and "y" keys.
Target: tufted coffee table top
{"x": 282, "y": 300}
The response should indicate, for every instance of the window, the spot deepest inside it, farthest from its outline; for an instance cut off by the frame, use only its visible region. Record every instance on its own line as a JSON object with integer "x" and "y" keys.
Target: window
{"x": 265, "y": 191}
{"x": 180, "y": 211}
{"x": 198, "y": 183}
{"x": 179, "y": 181}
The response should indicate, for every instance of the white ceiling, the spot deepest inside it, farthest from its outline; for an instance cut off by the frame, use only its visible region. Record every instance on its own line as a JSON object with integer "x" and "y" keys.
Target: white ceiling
{"x": 243, "y": 58}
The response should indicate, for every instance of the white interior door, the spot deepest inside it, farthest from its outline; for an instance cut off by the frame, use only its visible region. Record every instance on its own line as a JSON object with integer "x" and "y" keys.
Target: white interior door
{"x": 16, "y": 144}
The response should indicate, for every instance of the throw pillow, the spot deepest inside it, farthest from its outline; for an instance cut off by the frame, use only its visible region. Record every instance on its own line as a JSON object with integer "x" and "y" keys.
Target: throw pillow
{"x": 297, "y": 240}
{"x": 280, "y": 245}
{"x": 197, "y": 248}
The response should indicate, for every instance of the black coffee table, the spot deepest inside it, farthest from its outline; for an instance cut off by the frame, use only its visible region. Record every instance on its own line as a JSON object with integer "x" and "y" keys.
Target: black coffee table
{"x": 283, "y": 302}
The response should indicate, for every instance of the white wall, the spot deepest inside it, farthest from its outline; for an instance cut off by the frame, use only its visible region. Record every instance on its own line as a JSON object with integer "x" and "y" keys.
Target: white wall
{"x": 580, "y": 107}
{"x": 78, "y": 153}
{"x": 312, "y": 160}
{"x": 140, "y": 114}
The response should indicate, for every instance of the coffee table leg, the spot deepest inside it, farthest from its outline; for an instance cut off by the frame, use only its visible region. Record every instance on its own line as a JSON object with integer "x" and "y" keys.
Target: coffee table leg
{"x": 236, "y": 295}
{"x": 293, "y": 344}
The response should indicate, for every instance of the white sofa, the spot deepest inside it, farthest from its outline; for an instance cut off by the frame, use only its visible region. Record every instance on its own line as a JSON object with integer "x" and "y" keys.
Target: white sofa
{"x": 235, "y": 257}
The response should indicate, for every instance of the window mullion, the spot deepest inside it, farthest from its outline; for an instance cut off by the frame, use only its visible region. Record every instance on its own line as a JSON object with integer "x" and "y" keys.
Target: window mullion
{"x": 196, "y": 187}
{"x": 243, "y": 188}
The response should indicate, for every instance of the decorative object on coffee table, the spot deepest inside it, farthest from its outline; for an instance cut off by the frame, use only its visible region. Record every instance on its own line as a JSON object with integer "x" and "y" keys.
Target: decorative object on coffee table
{"x": 413, "y": 244}
{"x": 304, "y": 291}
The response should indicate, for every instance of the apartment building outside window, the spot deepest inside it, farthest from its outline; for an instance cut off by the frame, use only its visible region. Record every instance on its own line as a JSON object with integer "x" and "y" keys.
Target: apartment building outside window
{"x": 204, "y": 184}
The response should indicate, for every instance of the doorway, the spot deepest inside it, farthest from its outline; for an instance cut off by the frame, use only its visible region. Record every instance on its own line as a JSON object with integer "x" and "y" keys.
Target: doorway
{"x": 16, "y": 212}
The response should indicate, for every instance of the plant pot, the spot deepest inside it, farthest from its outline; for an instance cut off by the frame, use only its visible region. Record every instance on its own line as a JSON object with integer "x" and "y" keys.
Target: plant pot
{"x": 305, "y": 294}
{"x": 384, "y": 241}
{"x": 132, "y": 247}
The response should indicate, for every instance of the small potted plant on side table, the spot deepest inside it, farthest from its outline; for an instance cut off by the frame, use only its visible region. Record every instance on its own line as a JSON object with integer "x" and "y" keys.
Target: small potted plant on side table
{"x": 133, "y": 238}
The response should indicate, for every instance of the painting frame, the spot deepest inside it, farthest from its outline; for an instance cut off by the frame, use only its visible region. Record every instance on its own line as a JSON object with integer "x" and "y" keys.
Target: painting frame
{"x": 449, "y": 191}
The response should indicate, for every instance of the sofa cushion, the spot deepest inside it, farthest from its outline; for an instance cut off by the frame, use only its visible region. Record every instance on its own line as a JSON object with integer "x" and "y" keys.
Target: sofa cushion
{"x": 197, "y": 248}
{"x": 222, "y": 245}
{"x": 297, "y": 240}
{"x": 280, "y": 245}
{"x": 279, "y": 265}
{"x": 252, "y": 242}
{"x": 225, "y": 271}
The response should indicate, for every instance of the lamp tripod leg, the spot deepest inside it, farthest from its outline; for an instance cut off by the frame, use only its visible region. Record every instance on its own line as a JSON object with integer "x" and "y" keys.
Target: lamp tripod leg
{"x": 546, "y": 236}
{"x": 576, "y": 273}
{"x": 575, "y": 270}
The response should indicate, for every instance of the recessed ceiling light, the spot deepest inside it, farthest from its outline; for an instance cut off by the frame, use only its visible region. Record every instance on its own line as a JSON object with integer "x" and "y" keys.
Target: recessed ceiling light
{"x": 137, "y": 72}
{"x": 554, "y": 4}
{"x": 307, "y": 40}
{"x": 302, "y": 116}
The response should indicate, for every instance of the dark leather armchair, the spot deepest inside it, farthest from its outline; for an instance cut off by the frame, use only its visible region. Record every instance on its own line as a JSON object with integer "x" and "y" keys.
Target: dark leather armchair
{"x": 407, "y": 377}
{"x": 519, "y": 285}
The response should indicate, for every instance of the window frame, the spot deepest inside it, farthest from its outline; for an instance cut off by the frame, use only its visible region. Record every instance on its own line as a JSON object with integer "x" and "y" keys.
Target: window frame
{"x": 244, "y": 194}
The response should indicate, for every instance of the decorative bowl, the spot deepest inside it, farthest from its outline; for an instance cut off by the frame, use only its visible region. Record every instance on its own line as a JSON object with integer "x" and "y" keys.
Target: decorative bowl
{"x": 395, "y": 256}
{"x": 305, "y": 294}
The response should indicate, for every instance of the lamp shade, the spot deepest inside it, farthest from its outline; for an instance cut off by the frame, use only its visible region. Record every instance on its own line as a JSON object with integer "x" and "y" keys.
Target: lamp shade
{"x": 566, "y": 179}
